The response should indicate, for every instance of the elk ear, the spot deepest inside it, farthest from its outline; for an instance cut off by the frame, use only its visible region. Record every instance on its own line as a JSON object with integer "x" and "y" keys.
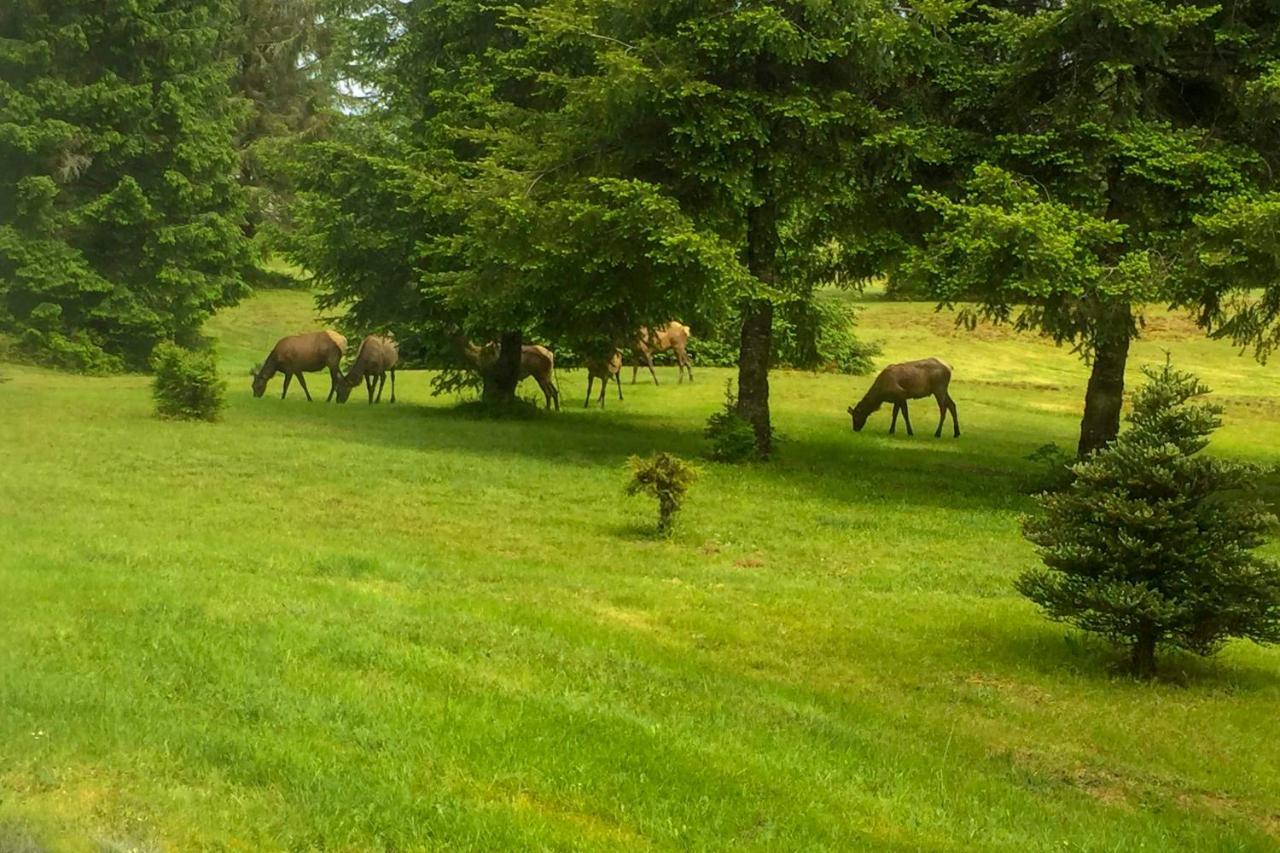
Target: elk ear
{"x": 850, "y": 410}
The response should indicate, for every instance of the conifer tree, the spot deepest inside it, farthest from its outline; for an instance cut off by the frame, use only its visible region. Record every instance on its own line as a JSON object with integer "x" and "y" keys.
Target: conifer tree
{"x": 120, "y": 214}
{"x": 1152, "y": 544}
{"x": 1116, "y": 155}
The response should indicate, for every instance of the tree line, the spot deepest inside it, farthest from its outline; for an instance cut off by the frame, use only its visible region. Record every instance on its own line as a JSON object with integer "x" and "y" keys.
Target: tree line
{"x": 570, "y": 170}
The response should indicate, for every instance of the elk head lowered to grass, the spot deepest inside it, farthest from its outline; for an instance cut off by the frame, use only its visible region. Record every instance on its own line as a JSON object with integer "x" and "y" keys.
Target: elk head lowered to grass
{"x": 377, "y": 356}
{"x": 298, "y": 354}
{"x": 910, "y": 380}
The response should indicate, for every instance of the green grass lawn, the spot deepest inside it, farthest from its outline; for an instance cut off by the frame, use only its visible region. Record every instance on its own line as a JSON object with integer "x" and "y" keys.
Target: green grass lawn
{"x": 352, "y": 628}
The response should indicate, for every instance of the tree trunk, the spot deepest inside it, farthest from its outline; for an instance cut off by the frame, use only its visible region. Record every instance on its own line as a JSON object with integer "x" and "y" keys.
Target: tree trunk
{"x": 756, "y": 345}
{"x": 1105, "y": 395}
{"x": 502, "y": 377}
{"x": 1143, "y": 661}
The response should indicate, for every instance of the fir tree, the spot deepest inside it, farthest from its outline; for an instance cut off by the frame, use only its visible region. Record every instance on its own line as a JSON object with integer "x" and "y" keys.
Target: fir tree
{"x": 120, "y": 214}
{"x": 1151, "y": 545}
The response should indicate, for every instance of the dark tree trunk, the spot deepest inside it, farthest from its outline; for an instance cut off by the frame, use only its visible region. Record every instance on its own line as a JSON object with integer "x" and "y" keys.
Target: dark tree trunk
{"x": 1143, "y": 660}
{"x": 502, "y": 377}
{"x": 757, "y": 328}
{"x": 1105, "y": 395}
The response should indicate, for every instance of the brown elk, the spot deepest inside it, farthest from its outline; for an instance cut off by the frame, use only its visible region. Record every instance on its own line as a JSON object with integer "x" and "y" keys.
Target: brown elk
{"x": 604, "y": 370}
{"x": 911, "y": 380}
{"x": 298, "y": 354}
{"x": 536, "y": 361}
{"x": 376, "y": 358}
{"x": 675, "y": 336}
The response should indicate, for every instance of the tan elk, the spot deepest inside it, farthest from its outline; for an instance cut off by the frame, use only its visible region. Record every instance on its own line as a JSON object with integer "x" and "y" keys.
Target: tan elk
{"x": 298, "y": 354}
{"x": 911, "y": 380}
{"x": 376, "y": 358}
{"x": 675, "y": 336}
{"x": 604, "y": 370}
{"x": 536, "y": 361}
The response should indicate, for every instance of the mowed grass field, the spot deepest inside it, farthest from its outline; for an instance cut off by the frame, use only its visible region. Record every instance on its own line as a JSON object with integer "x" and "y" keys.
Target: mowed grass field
{"x": 362, "y": 628}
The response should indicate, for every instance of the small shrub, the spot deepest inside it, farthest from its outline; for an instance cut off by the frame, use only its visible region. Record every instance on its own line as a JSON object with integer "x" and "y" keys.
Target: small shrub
{"x": 666, "y": 477}
{"x": 732, "y": 438}
{"x": 1151, "y": 545}
{"x": 1053, "y": 472}
{"x": 186, "y": 384}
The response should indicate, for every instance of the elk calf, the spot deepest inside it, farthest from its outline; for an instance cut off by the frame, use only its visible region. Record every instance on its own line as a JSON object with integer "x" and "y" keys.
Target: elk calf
{"x": 911, "y": 380}
{"x": 604, "y": 370}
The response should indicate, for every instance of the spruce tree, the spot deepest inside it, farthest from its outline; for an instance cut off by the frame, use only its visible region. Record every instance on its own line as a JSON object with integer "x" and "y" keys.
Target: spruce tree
{"x": 120, "y": 214}
{"x": 1152, "y": 544}
{"x": 1116, "y": 154}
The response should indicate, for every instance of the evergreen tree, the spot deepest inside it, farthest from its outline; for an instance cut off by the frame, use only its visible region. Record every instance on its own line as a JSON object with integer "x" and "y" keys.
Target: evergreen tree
{"x": 120, "y": 215}
{"x": 1151, "y": 545}
{"x": 1107, "y": 144}
{"x": 581, "y": 168}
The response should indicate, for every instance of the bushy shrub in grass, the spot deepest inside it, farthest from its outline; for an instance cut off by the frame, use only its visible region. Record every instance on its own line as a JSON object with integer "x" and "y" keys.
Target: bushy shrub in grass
{"x": 186, "y": 384}
{"x": 731, "y": 436}
{"x": 1151, "y": 545}
{"x": 1053, "y": 470}
{"x": 666, "y": 477}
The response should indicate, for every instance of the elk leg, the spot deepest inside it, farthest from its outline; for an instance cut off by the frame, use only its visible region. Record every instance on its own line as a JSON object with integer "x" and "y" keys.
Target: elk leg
{"x": 648, "y": 359}
{"x": 635, "y": 368}
{"x": 617, "y": 376}
{"x": 942, "y": 415}
{"x": 368, "y": 386}
{"x": 288, "y": 377}
{"x": 334, "y": 376}
{"x": 955, "y": 421}
{"x": 382, "y": 383}
{"x": 393, "y": 385}
{"x": 604, "y": 389}
{"x": 905, "y": 418}
{"x": 303, "y": 383}
{"x": 688, "y": 363}
{"x": 590, "y": 379}
{"x": 893, "y": 424}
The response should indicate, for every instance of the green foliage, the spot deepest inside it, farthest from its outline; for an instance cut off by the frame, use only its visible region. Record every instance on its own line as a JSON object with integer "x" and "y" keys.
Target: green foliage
{"x": 731, "y": 435}
{"x": 808, "y": 334}
{"x": 1151, "y": 546}
{"x": 1105, "y": 153}
{"x": 1053, "y": 471}
{"x": 120, "y": 216}
{"x": 578, "y": 170}
{"x": 667, "y": 478}
{"x": 187, "y": 385}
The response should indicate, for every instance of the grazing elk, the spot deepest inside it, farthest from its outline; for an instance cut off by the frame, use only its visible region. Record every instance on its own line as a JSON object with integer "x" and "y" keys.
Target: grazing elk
{"x": 674, "y": 337}
{"x": 536, "y": 361}
{"x": 604, "y": 370}
{"x": 911, "y": 380}
{"x": 376, "y": 358}
{"x": 298, "y": 354}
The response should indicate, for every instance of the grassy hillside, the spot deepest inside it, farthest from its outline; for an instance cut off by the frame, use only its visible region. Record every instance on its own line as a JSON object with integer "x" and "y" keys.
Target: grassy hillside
{"x": 357, "y": 627}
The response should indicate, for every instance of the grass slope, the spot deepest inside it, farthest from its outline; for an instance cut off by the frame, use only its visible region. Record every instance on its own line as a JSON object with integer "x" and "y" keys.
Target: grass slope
{"x": 358, "y": 627}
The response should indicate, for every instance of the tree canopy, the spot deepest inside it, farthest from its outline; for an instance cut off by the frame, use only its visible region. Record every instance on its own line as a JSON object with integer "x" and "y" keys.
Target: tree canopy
{"x": 580, "y": 169}
{"x": 120, "y": 214}
{"x": 1110, "y": 149}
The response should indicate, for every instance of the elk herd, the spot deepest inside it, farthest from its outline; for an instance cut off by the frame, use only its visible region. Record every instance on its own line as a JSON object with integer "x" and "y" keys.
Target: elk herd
{"x": 378, "y": 355}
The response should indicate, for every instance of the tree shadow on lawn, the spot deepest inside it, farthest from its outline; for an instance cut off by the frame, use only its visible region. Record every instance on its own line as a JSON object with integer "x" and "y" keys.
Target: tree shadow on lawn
{"x": 1055, "y": 651}
{"x": 960, "y": 475}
